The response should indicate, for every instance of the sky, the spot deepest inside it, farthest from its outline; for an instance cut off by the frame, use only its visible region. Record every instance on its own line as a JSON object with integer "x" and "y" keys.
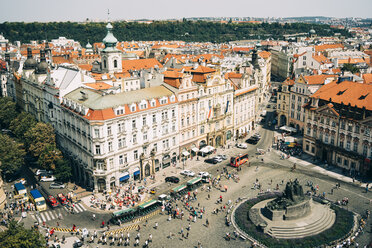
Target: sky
{"x": 80, "y": 10}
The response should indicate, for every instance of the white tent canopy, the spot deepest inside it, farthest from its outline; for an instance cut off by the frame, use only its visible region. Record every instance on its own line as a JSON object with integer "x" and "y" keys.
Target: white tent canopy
{"x": 288, "y": 129}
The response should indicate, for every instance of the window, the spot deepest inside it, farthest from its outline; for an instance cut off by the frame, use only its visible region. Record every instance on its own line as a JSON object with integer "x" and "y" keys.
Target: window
{"x": 366, "y": 132}
{"x": 307, "y": 147}
{"x": 326, "y": 137}
{"x": 133, "y": 108}
{"x": 155, "y": 147}
{"x": 133, "y": 123}
{"x": 109, "y": 132}
{"x": 144, "y": 136}
{"x": 348, "y": 144}
{"x": 115, "y": 63}
{"x": 96, "y": 132}
{"x": 355, "y": 148}
{"x": 182, "y": 122}
{"x": 357, "y": 129}
{"x": 119, "y": 111}
{"x": 341, "y": 144}
{"x": 322, "y": 120}
{"x": 120, "y": 127}
{"x": 201, "y": 129}
{"x": 349, "y": 127}
{"x": 154, "y": 133}
{"x": 365, "y": 149}
{"x": 346, "y": 163}
{"x": 173, "y": 127}
{"x": 333, "y": 124}
{"x": 134, "y": 138}
{"x": 152, "y": 103}
{"x": 293, "y": 97}
{"x": 314, "y": 133}
{"x": 143, "y": 106}
{"x": 153, "y": 118}
{"x": 188, "y": 120}
{"x": 339, "y": 160}
{"x": 144, "y": 121}
{"x": 98, "y": 149}
{"x": 104, "y": 63}
{"x": 121, "y": 143}
{"x": 121, "y": 159}
{"x": 111, "y": 163}
{"x": 332, "y": 140}
{"x": 173, "y": 113}
{"x": 342, "y": 125}
{"x": 174, "y": 141}
{"x": 165, "y": 144}
{"x": 312, "y": 149}
{"x": 135, "y": 155}
{"x": 110, "y": 146}
{"x": 308, "y": 131}
{"x": 327, "y": 121}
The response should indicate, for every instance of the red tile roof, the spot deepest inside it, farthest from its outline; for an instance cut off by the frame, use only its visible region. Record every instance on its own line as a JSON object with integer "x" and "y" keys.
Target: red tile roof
{"x": 346, "y": 92}
{"x": 139, "y": 64}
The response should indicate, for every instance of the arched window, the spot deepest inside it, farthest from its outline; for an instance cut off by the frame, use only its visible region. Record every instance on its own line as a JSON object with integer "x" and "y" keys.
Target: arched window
{"x": 115, "y": 63}
{"x": 104, "y": 63}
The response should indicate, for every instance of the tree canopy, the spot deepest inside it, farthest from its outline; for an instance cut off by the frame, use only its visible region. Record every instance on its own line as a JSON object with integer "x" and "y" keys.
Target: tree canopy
{"x": 19, "y": 237}
{"x": 63, "y": 170}
{"x": 8, "y": 111}
{"x": 49, "y": 156}
{"x": 159, "y": 30}
{"x": 11, "y": 155}
{"x": 350, "y": 67}
{"x": 22, "y": 124}
{"x": 39, "y": 137}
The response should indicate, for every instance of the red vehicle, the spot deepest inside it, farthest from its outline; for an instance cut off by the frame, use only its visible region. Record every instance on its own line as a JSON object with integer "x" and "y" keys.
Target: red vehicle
{"x": 52, "y": 201}
{"x": 239, "y": 160}
{"x": 62, "y": 199}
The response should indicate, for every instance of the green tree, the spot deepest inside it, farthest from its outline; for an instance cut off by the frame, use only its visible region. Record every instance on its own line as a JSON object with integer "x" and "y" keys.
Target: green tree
{"x": 11, "y": 155}
{"x": 8, "y": 111}
{"x": 49, "y": 156}
{"x": 63, "y": 171}
{"x": 22, "y": 124}
{"x": 19, "y": 237}
{"x": 38, "y": 137}
{"x": 350, "y": 67}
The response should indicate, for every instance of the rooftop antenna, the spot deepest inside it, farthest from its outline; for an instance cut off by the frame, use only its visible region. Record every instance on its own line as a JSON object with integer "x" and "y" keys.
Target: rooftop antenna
{"x": 108, "y": 15}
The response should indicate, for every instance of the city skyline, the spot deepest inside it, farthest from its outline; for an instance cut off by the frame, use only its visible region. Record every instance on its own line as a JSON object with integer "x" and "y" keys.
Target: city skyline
{"x": 44, "y": 11}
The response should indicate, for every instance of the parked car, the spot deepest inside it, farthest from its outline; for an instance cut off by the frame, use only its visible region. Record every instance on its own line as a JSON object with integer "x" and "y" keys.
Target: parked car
{"x": 77, "y": 243}
{"x": 52, "y": 201}
{"x": 22, "y": 180}
{"x": 41, "y": 171}
{"x": 153, "y": 191}
{"x": 219, "y": 159}
{"x": 47, "y": 178}
{"x": 257, "y": 135}
{"x": 57, "y": 185}
{"x": 252, "y": 141}
{"x": 241, "y": 145}
{"x": 62, "y": 199}
{"x": 211, "y": 160}
{"x": 188, "y": 173}
{"x": 223, "y": 157}
{"x": 172, "y": 179}
{"x": 203, "y": 173}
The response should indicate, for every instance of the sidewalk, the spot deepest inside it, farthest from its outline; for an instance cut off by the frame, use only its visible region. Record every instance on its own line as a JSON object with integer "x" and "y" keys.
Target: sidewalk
{"x": 334, "y": 172}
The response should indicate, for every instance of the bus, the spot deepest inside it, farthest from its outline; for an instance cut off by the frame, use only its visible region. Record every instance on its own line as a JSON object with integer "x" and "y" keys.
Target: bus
{"x": 239, "y": 160}
{"x": 20, "y": 192}
{"x": 38, "y": 200}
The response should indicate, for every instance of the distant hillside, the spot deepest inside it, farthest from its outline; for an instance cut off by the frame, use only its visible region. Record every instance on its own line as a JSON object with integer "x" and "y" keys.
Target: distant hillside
{"x": 160, "y": 30}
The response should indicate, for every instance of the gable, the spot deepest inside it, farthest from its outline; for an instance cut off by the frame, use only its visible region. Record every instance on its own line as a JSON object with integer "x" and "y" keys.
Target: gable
{"x": 328, "y": 110}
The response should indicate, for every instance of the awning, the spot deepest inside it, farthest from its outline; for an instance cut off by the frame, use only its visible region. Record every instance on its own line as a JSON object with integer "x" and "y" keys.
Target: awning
{"x": 194, "y": 180}
{"x": 179, "y": 188}
{"x": 124, "y": 176}
{"x": 195, "y": 149}
{"x": 136, "y": 171}
{"x": 147, "y": 204}
{"x": 185, "y": 153}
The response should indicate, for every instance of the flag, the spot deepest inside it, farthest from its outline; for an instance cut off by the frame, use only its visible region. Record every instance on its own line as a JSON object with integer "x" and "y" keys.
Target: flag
{"x": 210, "y": 111}
{"x": 227, "y": 107}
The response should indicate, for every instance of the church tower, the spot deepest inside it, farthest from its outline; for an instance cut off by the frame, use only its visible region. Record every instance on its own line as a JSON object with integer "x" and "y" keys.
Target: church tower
{"x": 110, "y": 56}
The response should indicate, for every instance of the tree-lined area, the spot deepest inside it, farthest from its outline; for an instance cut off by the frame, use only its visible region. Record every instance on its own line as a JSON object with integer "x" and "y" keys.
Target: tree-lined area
{"x": 22, "y": 135}
{"x": 201, "y": 31}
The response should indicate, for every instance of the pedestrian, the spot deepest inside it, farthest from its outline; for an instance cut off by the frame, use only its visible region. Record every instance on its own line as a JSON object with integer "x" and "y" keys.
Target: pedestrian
{"x": 207, "y": 222}
{"x": 150, "y": 237}
{"x": 156, "y": 225}
{"x": 170, "y": 235}
{"x": 187, "y": 235}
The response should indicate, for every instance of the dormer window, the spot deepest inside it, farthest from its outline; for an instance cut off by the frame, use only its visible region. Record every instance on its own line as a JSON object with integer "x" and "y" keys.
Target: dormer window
{"x": 143, "y": 105}
{"x": 133, "y": 108}
{"x": 163, "y": 101}
{"x": 172, "y": 99}
{"x": 152, "y": 103}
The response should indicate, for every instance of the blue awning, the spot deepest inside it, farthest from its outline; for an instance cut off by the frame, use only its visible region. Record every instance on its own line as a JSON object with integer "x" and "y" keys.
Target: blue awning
{"x": 136, "y": 172}
{"x": 124, "y": 176}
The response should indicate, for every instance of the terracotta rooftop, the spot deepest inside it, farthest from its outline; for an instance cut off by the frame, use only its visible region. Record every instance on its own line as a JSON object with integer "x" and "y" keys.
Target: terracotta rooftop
{"x": 346, "y": 92}
{"x": 139, "y": 64}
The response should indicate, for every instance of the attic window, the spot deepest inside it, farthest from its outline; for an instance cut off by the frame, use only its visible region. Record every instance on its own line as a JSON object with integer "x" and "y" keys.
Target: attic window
{"x": 153, "y": 103}
{"x": 362, "y": 97}
{"x": 341, "y": 92}
{"x": 133, "y": 108}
